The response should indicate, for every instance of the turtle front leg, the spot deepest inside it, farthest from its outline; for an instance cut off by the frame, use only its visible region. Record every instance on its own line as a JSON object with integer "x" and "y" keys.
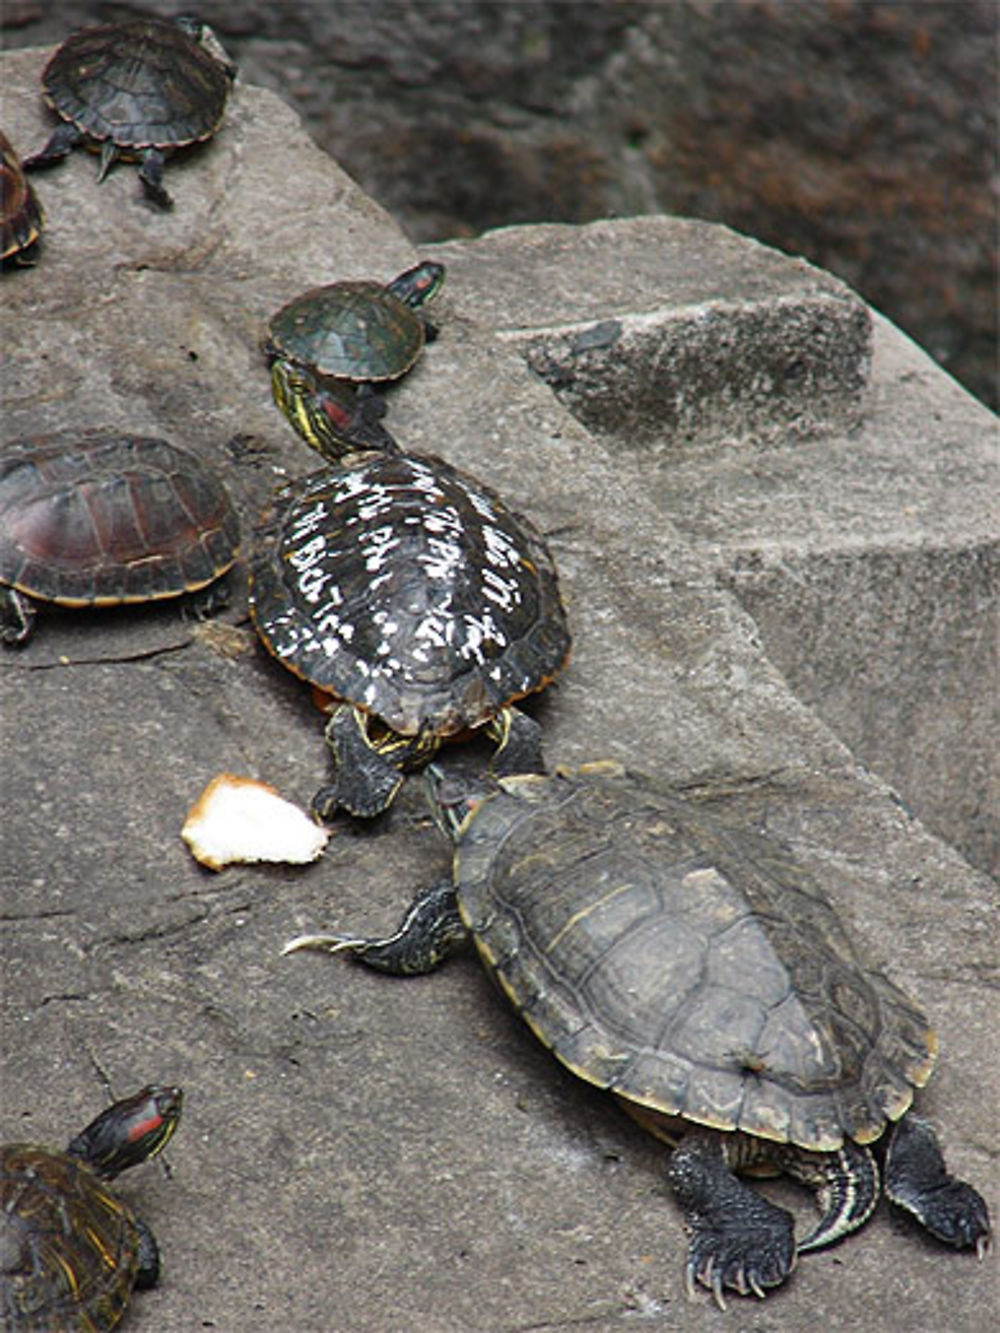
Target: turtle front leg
{"x": 366, "y": 778}
{"x": 148, "y": 1273}
{"x": 17, "y": 617}
{"x": 519, "y": 744}
{"x": 151, "y": 175}
{"x": 64, "y": 139}
{"x": 739, "y": 1240}
{"x": 431, "y": 930}
{"x": 917, "y": 1179}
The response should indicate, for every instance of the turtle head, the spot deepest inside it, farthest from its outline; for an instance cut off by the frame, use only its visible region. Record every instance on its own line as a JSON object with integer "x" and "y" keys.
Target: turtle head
{"x": 199, "y": 31}
{"x": 332, "y": 418}
{"x": 129, "y": 1131}
{"x": 454, "y": 795}
{"x": 418, "y": 285}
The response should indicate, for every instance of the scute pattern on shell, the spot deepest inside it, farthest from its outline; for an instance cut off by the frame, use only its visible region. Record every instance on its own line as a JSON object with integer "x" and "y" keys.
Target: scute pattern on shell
{"x": 406, "y": 587}
{"x": 96, "y": 518}
{"x": 139, "y": 84}
{"x": 349, "y": 330}
{"x": 78, "y": 1243}
{"x": 686, "y": 966}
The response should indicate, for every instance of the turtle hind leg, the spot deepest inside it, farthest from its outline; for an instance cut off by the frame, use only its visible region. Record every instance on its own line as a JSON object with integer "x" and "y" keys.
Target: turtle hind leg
{"x": 148, "y": 1273}
{"x": 430, "y": 931}
{"x": 64, "y": 139}
{"x": 151, "y": 175}
{"x": 366, "y": 777}
{"x": 17, "y": 617}
{"x": 519, "y": 744}
{"x": 739, "y": 1240}
{"x": 917, "y": 1180}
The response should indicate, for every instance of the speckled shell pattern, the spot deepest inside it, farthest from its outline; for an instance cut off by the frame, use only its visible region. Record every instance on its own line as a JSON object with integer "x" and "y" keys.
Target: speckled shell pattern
{"x": 98, "y": 518}
{"x": 78, "y": 1241}
{"x": 689, "y": 967}
{"x": 348, "y": 330}
{"x": 404, "y": 586}
{"x": 21, "y": 219}
{"x": 139, "y": 84}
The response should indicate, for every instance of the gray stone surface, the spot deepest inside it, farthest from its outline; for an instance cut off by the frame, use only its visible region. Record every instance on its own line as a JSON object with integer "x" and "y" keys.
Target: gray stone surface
{"x": 674, "y": 330}
{"x": 857, "y": 519}
{"x": 860, "y": 134}
{"x": 359, "y": 1153}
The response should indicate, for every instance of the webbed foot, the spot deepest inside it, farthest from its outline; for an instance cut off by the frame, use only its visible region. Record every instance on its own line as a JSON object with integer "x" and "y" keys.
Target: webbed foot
{"x": 431, "y": 930}
{"x": 151, "y": 175}
{"x": 17, "y": 617}
{"x": 148, "y": 1273}
{"x": 366, "y": 779}
{"x": 63, "y": 140}
{"x": 519, "y": 744}
{"x": 739, "y": 1241}
{"x": 917, "y": 1179}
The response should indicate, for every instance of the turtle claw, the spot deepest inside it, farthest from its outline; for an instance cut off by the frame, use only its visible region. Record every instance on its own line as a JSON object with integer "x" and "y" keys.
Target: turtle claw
{"x": 748, "y": 1262}
{"x": 739, "y": 1241}
{"x": 320, "y": 943}
{"x": 427, "y": 934}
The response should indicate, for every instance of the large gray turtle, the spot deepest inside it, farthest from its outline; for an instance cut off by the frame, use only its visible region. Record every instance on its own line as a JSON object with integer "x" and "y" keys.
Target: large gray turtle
{"x": 694, "y": 971}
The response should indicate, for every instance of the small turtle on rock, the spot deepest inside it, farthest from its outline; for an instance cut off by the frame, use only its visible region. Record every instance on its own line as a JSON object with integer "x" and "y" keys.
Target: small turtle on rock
{"x": 695, "y": 971}
{"x": 71, "y": 1251}
{"x": 137, "y": 90}
{"x": 96, "y": 518}
{"x": 331, "y": 345}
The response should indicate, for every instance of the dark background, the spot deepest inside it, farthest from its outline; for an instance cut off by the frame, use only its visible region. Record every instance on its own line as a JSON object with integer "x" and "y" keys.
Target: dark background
{"x": 861, "y": 135}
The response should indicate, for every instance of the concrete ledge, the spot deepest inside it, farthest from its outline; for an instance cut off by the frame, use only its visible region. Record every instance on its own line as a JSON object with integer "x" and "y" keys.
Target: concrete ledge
{"x": 855, "y": 512}
{"x": 656, "y": 328}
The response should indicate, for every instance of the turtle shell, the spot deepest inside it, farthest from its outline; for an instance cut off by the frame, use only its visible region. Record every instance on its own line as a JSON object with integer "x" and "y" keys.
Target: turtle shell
{"x": 70, "y": 1247}
{"x": 140, "y": 84}
{"x": 688, "y": 967}
{"x": 20, "y": 212}
{"x": 96, "y": 518}
{"x": 349, "y": 330}
{"x": 409, "y": 589}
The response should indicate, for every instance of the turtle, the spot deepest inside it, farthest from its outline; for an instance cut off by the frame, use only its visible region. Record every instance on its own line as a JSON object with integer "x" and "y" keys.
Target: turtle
{"x": 20, "y": 212}
{"x": 407, "y": 590}
{"x": 331, "y": 345}
{"x": 695, "y": 970}
{"x": 72, "y": 1251}
{"x": 136, "y": 90}
{"x": 331, "y": 416}
{"x": 96, "y": 517}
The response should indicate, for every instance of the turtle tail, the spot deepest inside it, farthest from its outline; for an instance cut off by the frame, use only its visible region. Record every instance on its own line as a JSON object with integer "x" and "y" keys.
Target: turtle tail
{"x": 847, "y": 1187}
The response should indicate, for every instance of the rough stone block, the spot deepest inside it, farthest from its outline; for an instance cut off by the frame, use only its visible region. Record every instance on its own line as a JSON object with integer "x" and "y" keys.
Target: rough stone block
{"x": 667, "y": 332}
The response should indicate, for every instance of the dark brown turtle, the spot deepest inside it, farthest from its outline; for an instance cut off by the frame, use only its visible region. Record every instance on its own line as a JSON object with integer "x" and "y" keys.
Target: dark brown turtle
{"x": 20, "y": 211}
{"x": 695, "y": 971}
{"x": 96, "y": 518}
{"x": 136, "y": 90}
{"x": 71, "y": 1251}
